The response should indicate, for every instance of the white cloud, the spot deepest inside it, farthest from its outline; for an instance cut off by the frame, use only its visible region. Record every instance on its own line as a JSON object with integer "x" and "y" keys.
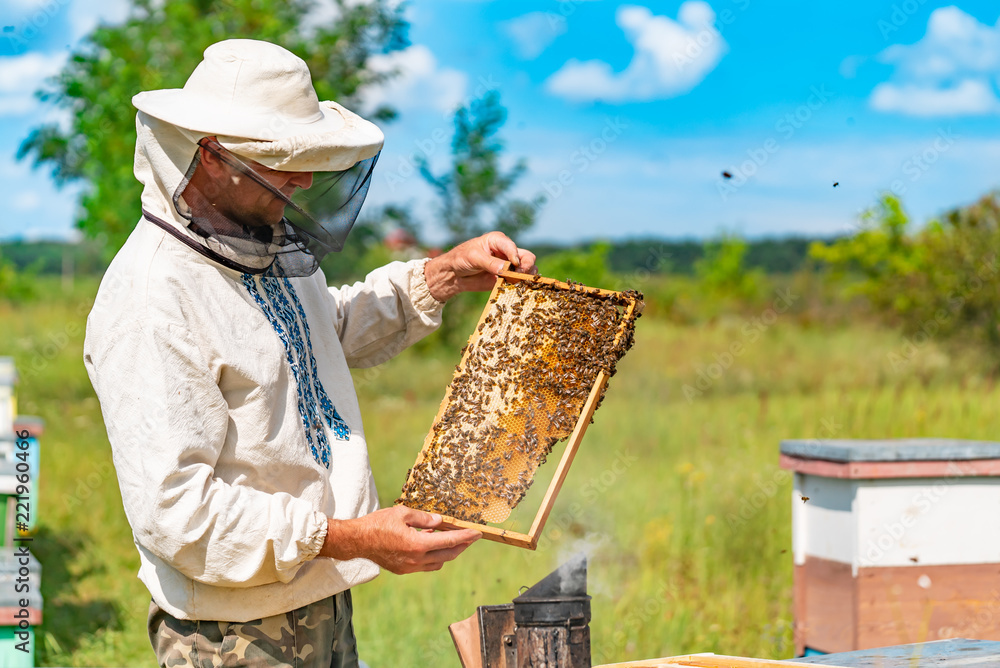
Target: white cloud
{"x": 85, "y": 16}
{"x": 26, "y": 200}
{"x": 421, "y": 83}
{"x": 326, "y": 12}
{"x": 26, "y": 5}
{"x": 532, "y": 33}
{"x": 671, "y": 57}
{"x": 971, "y": 96}
{"x": 39, "y": 233}
{"x": 953, "y": 70}
{"x": 20, "y": 76}
{"x": 40, "y": 209}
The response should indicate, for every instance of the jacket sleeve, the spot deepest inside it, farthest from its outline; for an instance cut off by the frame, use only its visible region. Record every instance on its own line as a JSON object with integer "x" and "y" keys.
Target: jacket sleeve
{"x": 390, "y": 310}
{"x": 167, "y": 423}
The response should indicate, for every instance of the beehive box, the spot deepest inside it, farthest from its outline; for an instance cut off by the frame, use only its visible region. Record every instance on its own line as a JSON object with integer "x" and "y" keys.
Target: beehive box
{"x": 533, "y": 373}
{"x": 30, "y": 464}
{"x": 18, "y": 622}
{"x": 8, "y": 405}
{"x": 894, "y": 541}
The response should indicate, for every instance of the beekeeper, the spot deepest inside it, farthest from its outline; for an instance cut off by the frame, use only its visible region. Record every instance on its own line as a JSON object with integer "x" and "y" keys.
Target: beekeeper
{"x": 221, "y": 359}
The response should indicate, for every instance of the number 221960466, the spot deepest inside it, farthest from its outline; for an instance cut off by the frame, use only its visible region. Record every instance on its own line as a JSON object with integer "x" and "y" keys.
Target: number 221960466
{"x": 23, "y": 480}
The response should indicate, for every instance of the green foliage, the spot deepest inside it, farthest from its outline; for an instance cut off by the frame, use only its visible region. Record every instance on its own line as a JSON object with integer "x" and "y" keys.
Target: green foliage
{"x": 474, "y": 192}
{"x": 722, "y": 269}
{"x": 359, "y": 257}
{"x": 16, "y": 285}
{"x": 460, "y": 317}
{"x": 705, "y": 567}
{"x": 589, "y": 267}
{"x": 678, "y": 256}
{"x": 938, "y": 281}
{"x": 364, "y": 249}
{"x": 158, "y": 46}
{"x": 474, "y": 198}
{"x": 50, "y": 257}
{"x": 880, "y": 250}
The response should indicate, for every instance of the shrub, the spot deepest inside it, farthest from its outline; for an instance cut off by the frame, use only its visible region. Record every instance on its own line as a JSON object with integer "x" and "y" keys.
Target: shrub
{"x": 16, "y": 285}
{"x": 589, "y": 267}
{"x": 936, "y": 282}
{"x": 722, "y": 270}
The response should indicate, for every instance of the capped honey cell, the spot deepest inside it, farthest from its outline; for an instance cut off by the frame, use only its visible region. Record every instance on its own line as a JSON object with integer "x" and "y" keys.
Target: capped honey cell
{"x": 520, "y": 388}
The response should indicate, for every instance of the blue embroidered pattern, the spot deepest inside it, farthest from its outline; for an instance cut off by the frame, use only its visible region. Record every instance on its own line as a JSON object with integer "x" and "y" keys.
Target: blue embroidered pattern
{"x": 313, "y": 401}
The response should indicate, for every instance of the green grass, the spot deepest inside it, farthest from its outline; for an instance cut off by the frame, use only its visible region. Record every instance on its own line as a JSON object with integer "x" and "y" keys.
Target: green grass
{"x": 681, "y": 503}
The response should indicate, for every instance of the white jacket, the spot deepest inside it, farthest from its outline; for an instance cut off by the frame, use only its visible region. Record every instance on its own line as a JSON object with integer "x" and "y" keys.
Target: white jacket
{"x": 232, "y": 416}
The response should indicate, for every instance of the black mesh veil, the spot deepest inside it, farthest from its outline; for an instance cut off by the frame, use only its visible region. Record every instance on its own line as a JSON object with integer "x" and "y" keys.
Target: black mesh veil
{"x": 261, "y": 218}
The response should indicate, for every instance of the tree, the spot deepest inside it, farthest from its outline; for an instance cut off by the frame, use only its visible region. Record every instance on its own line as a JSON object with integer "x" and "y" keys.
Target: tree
{"x": 365, "y": 247}
{"x": 588, "y": 266}
{"x": 158, "y": 46}
{"x": 722, "y": 269}
{"x": 474, "y": 197}
{"x": 941, "y": 281}
{"x": 16, "y": 285}
{"x": 474, "y": 192}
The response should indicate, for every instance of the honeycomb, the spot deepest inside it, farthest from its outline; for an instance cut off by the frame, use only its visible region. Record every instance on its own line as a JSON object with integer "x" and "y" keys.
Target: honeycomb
{"x": 520, "y": 388}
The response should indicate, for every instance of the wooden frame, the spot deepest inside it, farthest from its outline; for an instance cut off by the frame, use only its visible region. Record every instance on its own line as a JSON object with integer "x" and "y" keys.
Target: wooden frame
{"x": 530, "y": 540}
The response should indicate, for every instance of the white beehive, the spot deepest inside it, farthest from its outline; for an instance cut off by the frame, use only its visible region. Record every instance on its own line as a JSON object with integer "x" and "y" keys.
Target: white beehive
{"x": 8, "y": 403}
{"x": 895, "y": 541}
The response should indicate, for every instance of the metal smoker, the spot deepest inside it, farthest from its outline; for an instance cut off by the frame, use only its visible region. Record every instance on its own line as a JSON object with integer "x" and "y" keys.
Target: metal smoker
{"x": 547, "y": 625}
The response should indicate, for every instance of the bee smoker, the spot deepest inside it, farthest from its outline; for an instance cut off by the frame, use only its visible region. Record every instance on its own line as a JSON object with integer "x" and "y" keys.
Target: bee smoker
{"x": 547, "y": 625}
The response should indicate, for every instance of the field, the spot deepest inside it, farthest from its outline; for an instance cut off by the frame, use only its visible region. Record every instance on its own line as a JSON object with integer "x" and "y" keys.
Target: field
{"x": 675, "y": 493}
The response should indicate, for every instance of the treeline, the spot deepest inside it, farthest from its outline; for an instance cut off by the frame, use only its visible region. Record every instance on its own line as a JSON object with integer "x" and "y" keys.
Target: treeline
{"x": 54, "y": 257}
{"x": 657, "y": 256}
{"x": 665, "y": 256}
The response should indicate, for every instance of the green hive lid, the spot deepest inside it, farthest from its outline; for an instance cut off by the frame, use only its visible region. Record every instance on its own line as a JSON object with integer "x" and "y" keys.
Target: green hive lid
{"x": 891, "y": 450}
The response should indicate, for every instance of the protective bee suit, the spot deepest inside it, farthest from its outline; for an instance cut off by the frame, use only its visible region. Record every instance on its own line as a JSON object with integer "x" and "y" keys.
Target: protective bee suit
{"x": 220, "y": 356}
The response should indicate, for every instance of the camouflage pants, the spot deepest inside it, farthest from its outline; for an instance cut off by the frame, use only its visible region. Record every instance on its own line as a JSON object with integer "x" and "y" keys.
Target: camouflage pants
{"x": 319, "y": 635}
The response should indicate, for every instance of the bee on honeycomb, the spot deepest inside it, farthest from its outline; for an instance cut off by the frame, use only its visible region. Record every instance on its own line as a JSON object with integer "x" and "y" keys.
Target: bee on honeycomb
{"x": 520, "y": 388}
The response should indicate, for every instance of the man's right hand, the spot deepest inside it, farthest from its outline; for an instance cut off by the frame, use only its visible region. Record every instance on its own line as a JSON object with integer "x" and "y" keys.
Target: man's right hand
{"x": 399, "y": 539}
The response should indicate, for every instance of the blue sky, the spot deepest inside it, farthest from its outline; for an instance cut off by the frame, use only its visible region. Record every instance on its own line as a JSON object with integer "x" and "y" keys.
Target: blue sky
{"x": 628, "y": 114}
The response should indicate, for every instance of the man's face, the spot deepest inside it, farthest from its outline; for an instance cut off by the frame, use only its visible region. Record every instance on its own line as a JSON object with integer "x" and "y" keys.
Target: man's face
{"x": 240, "y": 198}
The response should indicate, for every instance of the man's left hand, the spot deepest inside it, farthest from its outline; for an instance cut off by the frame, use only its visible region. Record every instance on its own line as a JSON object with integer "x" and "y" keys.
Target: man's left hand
{"x": 474, "y": 265}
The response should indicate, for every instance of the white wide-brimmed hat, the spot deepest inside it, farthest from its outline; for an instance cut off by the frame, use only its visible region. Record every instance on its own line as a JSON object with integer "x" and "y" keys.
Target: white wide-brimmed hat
{"x": 258, "y": 99}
